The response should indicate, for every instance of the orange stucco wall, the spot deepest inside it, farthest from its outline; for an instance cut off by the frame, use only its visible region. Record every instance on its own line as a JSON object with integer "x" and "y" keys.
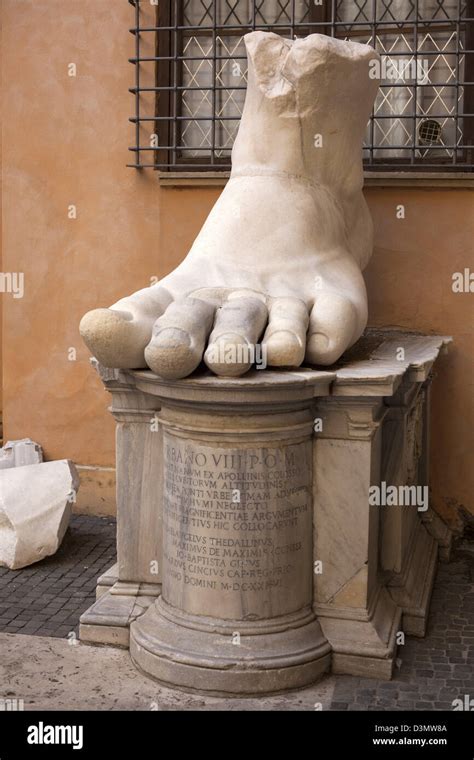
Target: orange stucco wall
{"x": 409, "y": 282}
{"x": 65, "y": 143}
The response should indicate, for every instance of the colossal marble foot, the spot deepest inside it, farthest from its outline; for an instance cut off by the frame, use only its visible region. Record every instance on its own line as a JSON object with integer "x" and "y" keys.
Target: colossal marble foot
{"x": 274, "y": 276}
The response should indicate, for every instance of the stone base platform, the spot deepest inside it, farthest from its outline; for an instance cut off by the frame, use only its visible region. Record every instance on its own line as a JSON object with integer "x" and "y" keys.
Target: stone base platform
{"x": 252, "y": 555}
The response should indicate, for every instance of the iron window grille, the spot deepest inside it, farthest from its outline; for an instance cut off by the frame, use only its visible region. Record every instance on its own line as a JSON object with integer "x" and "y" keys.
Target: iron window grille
{"x": 190, "y": 77}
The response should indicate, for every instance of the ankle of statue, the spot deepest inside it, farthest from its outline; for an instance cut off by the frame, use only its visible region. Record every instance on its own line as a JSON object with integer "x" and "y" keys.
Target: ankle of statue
{"x": 250, "y": 171}
{"x": 259, "y": 170}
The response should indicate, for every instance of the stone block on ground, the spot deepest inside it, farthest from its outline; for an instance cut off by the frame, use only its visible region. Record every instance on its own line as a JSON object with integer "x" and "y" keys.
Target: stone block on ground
{"x": 35, "y": 508}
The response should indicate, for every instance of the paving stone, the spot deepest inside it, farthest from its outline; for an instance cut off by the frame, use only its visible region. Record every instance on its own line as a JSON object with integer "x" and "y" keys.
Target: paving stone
{"x": 30, "y": 628}
{"x": 48, "y": 599}
{"x": 436, "y": 669}
{"x": 33, "y": 600}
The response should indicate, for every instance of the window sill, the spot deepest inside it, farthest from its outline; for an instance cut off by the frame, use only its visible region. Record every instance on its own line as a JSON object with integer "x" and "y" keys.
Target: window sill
{"x": 428, "y": 180}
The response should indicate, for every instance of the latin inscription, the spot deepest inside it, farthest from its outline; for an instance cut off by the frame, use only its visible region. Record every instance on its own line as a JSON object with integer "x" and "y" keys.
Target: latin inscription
{"x": 236, "y": 522}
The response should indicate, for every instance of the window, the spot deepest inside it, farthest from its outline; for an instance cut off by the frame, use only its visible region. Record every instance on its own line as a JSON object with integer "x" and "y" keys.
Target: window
{"x": 190, "y": 81}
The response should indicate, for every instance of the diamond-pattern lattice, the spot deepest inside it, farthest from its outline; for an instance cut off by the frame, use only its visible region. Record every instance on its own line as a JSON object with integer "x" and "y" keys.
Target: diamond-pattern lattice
{"x": 231, "y": 72}
{"x": 198, "y": 12}
{"x": 427, "y": 92}
{"x": 197, "y": 104}
{"x": 396, "y": 11}
{"x": 240, "y": 12}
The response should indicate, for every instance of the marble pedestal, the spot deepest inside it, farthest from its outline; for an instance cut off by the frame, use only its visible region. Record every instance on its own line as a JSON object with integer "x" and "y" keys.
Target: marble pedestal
{"x": 250, "y": 558}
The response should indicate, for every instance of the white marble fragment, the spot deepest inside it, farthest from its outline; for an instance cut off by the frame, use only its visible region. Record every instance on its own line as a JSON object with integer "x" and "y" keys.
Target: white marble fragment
{"x": 20, "y": 453}
{"x": 35, "y": 507}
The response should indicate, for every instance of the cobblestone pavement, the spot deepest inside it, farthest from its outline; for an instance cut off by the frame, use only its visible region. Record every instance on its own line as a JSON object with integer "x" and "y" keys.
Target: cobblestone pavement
{"x": 435, "y": 670}
{"x": 47, "y": 599}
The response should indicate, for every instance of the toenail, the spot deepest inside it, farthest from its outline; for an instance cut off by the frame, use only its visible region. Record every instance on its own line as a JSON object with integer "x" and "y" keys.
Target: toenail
{"x": 285, "y": 336}
{"x": 318, "y": 343}
{"x": 172, "y": 337}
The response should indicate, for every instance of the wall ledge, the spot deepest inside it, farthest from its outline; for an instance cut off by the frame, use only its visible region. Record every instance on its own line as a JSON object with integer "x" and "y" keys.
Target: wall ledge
{"x": 193, "y": 179}
{"x": 426, "y": 180}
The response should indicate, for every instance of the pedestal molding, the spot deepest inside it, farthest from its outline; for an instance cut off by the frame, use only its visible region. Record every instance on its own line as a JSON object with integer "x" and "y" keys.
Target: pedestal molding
{"x": 228, "y": 627}
{"x": 292, "y": 643}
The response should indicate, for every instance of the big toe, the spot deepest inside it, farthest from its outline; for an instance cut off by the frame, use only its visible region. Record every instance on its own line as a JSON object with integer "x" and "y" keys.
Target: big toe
{"x": 115, "y": 338}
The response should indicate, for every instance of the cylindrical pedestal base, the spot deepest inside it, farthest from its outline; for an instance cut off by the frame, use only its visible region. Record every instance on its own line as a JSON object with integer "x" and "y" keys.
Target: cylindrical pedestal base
{"x": 235, "y": 615}
{"x": 287, "y": 653}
